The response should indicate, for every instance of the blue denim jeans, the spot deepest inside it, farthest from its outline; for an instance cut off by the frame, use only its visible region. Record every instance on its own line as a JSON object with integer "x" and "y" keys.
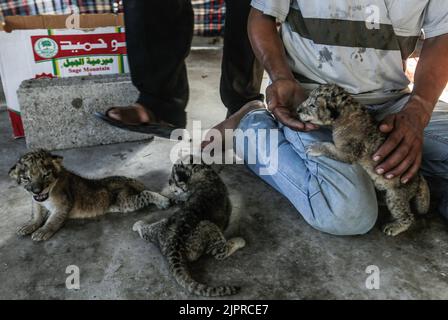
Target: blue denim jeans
{"x": 332, "y": 196}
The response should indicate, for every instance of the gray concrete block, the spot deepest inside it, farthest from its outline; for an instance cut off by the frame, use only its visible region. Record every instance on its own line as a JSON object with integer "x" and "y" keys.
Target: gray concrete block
{"x": 58, "y": 113}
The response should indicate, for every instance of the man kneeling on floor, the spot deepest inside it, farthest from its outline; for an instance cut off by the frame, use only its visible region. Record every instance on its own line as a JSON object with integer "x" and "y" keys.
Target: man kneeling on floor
{"x": 335, "y": 41}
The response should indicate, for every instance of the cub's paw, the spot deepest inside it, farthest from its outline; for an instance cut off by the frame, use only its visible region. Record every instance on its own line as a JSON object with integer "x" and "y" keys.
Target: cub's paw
{"x": 237, "y": 243}
{"x": 137, "y": 227}
{"x": 42, "y": 234}
{"x": 234, "y": 244}
{"x": 27, "y": 229}
{"x": 315, "y": 150}
{"x": 162, "y": 202}
{"x": 395, "y": 228}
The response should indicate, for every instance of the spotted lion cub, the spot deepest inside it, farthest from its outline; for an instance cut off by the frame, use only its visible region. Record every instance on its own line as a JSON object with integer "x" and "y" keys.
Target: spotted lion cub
{"x": 59, "y": 194}
{"x": 196, "y": 228}
{"x": 356, "y": 138}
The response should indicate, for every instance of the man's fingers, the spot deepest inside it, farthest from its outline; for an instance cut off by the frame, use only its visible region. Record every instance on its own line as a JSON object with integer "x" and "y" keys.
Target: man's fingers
{"x": 412, "y": 171}
{"x": 271, "y": 98}
{"x": 390, "y": 145}
{"x": 272, "y": 103}
{"x": 394, "y": 159}
{"x": 284, "y": 94}
{"x": 407, "y": 163}
{"x": 284, "y": 116}
{"x": 311, "y": 127}
{"x": 387, "y": 125}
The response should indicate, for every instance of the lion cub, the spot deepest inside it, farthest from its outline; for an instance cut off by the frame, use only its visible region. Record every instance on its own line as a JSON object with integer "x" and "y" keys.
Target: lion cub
{"x": 356, "y": 138}
{"x": 59, "y": 194}
{"x": 196, "y": 228}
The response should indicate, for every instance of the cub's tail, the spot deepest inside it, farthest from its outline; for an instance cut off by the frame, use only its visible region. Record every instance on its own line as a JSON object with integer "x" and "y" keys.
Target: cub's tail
{"x": 422, "y": 198}
{"x": 178, "y": 268}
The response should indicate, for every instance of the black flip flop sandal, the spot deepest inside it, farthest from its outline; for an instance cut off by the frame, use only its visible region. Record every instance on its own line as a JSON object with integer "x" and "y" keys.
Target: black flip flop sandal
{"x": 159, "y": 130}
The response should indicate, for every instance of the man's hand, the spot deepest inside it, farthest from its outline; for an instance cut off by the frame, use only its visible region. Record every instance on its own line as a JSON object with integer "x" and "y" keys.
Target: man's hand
{"x": 285, "y": 93}
{"x": 283, "y": 96}
{"x": 401, "y": 154}
{"x": 403, "y": 149}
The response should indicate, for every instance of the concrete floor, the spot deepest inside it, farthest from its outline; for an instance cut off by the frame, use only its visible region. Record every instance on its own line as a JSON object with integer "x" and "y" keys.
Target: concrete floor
{"x": 284, "y": 257}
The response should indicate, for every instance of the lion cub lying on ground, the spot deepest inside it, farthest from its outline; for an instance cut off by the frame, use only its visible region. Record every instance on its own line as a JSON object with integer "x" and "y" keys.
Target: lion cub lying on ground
{"x": 59, "y": 194}
{"x": 197, "y": 227}
{"x": 356, "y": 138}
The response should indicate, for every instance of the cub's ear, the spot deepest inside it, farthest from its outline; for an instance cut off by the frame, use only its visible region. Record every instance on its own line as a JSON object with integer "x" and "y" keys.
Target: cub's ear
{"x": 57, "y": 159}
{"x": 14, "y": 173}
{"x": 187, "y": 160}
{"x": 334, "y": 112}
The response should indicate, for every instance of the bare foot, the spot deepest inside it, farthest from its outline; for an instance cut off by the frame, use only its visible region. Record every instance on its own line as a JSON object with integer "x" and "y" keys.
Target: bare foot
{"x": 133, "y": 115}
{"x": 230, "y": 123}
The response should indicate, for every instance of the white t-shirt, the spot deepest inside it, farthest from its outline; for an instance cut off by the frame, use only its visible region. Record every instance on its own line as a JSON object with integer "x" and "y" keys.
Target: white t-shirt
{"x": 358, "y": 44}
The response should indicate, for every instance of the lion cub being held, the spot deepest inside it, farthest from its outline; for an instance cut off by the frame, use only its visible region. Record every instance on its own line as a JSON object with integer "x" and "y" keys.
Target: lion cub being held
{"x": 356, "y": 138}
{"x": 59, "y": 194}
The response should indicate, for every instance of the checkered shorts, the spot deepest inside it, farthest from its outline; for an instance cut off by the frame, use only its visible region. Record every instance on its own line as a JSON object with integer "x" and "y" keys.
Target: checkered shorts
{"x": 209, "y": 14}
{"x": 34, "y": 7}
{"x": 209, "y": 17}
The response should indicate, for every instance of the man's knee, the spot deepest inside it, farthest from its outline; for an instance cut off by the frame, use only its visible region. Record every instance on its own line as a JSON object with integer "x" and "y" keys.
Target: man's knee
{"x": 350, "y": 209}
{"x": 350, "y": 218}
{"x": 257, "y": 119}
{"x": 253, "y": 132}
{"x": 354, "y": 223}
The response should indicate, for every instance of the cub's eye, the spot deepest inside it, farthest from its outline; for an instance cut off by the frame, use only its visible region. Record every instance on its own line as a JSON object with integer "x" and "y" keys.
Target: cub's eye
{"x": 26, "y": 179}
{"x": 47, "y": 174}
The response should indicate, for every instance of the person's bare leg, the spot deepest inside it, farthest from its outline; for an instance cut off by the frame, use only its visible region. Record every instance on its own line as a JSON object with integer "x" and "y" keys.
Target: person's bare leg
{"x": 158, "y": 40}
{"x": 231, "y": 123}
